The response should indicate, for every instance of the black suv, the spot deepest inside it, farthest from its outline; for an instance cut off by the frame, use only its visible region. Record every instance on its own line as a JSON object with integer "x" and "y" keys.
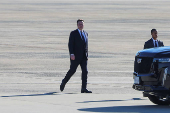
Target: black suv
{"x": 152, "y": 74}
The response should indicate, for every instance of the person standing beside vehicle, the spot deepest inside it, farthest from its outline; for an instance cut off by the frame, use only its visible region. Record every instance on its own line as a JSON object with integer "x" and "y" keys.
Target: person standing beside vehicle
{"x": 153, "y": 42}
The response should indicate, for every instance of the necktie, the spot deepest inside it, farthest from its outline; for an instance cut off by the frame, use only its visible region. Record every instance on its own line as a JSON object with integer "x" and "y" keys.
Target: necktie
{"x": 156, "y": 44}
{"x": 82, "y": 37}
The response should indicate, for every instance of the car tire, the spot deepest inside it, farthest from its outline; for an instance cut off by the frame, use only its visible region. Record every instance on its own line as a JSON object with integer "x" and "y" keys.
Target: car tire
{"x": 157, "y": 100}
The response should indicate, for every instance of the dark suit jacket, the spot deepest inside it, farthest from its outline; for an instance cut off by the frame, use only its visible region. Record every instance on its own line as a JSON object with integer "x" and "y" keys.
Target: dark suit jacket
{"x": 149, "y": 44}
{"x": 77, "y": 46}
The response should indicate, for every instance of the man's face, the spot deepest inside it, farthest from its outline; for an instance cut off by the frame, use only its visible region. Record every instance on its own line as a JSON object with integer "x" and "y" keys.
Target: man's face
{"x": 154, "y": 34}
{"x": 80, "y": 25}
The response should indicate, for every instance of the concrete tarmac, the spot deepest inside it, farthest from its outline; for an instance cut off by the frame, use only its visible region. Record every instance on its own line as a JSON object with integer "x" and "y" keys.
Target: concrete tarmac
{"x": 34, "y": 55}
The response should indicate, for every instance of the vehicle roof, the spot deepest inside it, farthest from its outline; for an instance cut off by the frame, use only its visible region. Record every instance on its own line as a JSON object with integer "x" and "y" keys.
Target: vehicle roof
{"x": 157, "y": 49}
{"x": 155, "y": 52}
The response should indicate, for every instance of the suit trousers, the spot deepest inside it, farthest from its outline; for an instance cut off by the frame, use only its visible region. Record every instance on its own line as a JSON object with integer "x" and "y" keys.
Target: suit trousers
{"x": 73, "y": 67}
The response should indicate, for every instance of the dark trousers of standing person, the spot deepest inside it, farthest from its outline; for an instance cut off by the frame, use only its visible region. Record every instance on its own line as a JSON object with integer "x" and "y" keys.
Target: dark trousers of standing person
{"x": 73, "y": 67}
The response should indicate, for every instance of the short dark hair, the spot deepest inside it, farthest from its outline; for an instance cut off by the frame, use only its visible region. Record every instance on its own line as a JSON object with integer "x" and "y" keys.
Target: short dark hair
{"x": 153, "y": 30}
{"x": 80, "y": 20}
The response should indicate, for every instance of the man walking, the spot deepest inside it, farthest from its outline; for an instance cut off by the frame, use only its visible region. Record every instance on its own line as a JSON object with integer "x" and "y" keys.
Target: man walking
{"x": 153, "y": 42}
{"x": 78, "y": 49}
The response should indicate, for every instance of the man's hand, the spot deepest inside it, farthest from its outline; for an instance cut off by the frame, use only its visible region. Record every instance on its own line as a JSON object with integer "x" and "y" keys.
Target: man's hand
{"x": 72, "y": 57}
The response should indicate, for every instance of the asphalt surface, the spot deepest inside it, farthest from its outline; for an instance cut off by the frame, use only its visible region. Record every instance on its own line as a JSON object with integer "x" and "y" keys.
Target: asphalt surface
{"x": 34, "y": 55}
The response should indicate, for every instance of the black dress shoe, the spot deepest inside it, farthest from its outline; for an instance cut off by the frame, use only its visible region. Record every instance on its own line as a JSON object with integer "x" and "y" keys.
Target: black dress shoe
{"x": 85, "y": 91}
{"x": 62, "y": 86}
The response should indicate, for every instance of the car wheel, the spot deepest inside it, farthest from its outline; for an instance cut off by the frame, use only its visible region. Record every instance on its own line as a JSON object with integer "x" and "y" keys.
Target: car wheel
{"x": 158, "y": 100}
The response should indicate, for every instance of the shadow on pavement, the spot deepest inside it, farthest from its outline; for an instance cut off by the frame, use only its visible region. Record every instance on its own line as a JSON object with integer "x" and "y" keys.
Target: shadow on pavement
{"x": 100, "y": 101}
{"x": 50, "y": 93}
{"x": 137, "y": 109}
{"x": 70, "y": 93}
{"x": 110, "y": 100}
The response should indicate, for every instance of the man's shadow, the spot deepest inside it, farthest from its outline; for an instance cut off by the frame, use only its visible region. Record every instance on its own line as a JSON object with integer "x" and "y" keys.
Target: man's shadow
{"x": 44, "y": 94}
{"x": 110, "y": 100}
{"x": 29, "y": 95}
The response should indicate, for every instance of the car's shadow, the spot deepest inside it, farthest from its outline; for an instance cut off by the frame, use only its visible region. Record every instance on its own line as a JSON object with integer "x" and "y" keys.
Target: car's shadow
{"x": 130, "y": 109}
